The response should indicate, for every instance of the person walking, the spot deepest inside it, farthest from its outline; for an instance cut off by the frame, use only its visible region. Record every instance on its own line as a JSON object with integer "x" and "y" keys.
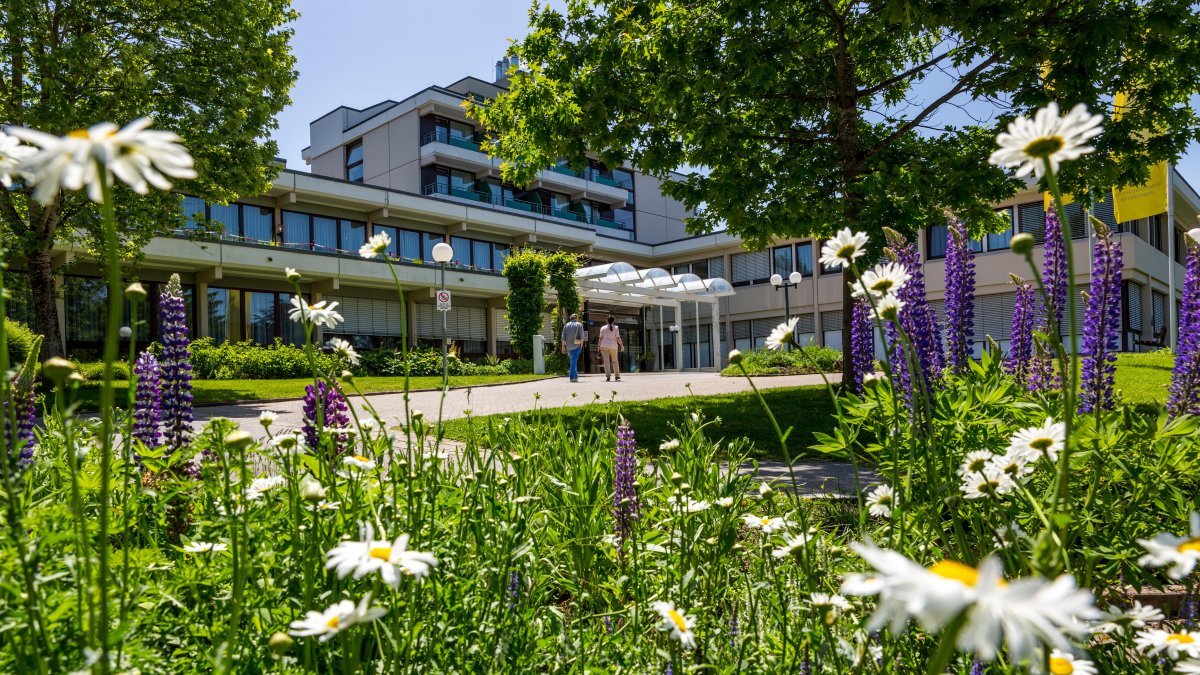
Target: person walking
{"x": 610, "y": 342}
{"x": 573, "y": 338}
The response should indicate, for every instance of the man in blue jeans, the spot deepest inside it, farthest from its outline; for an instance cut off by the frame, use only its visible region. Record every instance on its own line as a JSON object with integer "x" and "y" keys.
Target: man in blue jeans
{"x": 573, "y": 338}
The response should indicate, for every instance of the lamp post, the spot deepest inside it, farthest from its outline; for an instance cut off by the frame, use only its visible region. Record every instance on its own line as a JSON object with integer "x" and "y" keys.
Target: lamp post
{"x": 793, "y": 280}
{"x": 442, "y": 253}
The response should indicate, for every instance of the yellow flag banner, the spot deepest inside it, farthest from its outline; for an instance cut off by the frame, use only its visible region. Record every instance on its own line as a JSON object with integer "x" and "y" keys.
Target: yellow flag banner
{"x": 1048, "y": 200}
{"x": 1142, "y": 201}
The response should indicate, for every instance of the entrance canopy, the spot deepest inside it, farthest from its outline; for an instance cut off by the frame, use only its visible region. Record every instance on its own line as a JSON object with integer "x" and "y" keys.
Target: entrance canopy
{"x": 622, "y": 282}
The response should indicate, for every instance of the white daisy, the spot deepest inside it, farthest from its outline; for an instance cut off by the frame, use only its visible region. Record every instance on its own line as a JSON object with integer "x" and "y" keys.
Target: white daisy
{"x": 327, "y": 506}
{"x": 343, "y": 350}
{"x": 974, "y": 462}
{"x": 204, "y": 547}
{"x": 375, "y": 246}
{"x": 881, "y": 501}
{"x": 792, "y": 546}
{"x": 781, "y": 335}
{"x": 1116, "y": 620}
{"x": 336, "y": 618}
{"x": 1154, "y": 641}
{"x": 267, "y": 418}
{"x": 319, "y": 313}
{"x": 138, "y": 156}
{"x": 828, "y": 600}
{"x": 1179, "y": 554}
{"x": 677, "y": 623}
{"x": 259, "y": 486}
{"x": 881, "y": 280}
{"x": 874, "y": 378}
{"x": 12, "y": 152}
{"x": 1016, "y": 463}
{"x": 311, "y": 490}
{"x": 288, "y": 443}
{"x": 989, "y": 483}
{"x": 358, "y": 462}
{"x": 669, "y": 445}
{"x": 888, "y": 308}
{"x": 1044, "y": 441}
{"x": 686, "y": 504}
{"x": 370, "y": 555}
{"x": 1027, "y": 612}
{"x": 1030, "y": 143}
{"x": 767, "y": 524}
{"x": 725, "y": 502}
{"x": 1065, "y": 663}
{"x": 844, "y": 248}
{"x": 1188, "y": 667}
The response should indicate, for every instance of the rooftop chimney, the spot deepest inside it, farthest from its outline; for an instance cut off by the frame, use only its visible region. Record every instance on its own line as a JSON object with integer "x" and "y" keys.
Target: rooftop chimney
{"x": 503, "y": 65}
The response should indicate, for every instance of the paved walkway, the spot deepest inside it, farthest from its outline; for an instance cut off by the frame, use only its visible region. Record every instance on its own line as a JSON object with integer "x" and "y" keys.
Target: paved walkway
{"x": 812, "y": 477}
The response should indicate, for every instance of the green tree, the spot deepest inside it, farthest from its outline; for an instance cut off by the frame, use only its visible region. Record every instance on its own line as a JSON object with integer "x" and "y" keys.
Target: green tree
{"x": 806, "y": 116}
{"x": 525, "y": 271}
{"x": 215, "y": 72}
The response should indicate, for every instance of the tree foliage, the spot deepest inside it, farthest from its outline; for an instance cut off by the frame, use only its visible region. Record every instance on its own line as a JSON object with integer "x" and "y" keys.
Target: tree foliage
{"x": 215, "y": 72}
{"x": 560, "y": 275}
{"x": 525, "y": 271}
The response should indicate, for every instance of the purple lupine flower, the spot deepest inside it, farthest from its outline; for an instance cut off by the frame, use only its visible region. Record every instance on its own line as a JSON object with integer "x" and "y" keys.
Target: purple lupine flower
{"x": 917, "y": 319}
{"x": 1101, "y": 323}
{"x": 733, "y": 624}
{"x": 1020, "y": 346}
{"x": 976, "y": 667}
{"x": 960, "y": 298}
{"x": 1042, "y": 375}
{"x": 147, "y": 402}
{"x": 862, "y": 344}
{"x": 625, "y": 496}
{"x": 1184, "y": 393}
{"x": 608, "y": 625}
{"x": 175, "y": 367}
{"x": 25, "y": 410}
{"x": 335, "y": 415}
{"x": 514, "y": 588}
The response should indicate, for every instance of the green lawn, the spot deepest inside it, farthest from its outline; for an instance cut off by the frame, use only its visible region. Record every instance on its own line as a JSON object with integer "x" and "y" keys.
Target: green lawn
{"x": 225, "y": 391}
{"x": 1142, "y": 379}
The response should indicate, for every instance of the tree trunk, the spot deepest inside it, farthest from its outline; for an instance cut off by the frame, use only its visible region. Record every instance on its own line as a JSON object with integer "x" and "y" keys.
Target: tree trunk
{"x": 41, "y": 280}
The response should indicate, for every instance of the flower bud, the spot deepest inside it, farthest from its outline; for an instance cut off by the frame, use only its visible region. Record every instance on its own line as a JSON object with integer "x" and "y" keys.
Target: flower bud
{"x": 292, "y": 275}
{"x": 238, "y": 439}
{"x": 1022, "y": 244}
{"x": 281, "y": 643}
{"x": 135, "y": 292}
{"x": 125, "y": 332}
{"x": 735, "y": 357}
{"x": 676, "y": 478}
{"x": 57, "y": 368}
{"x": 311, "y": 490}
{"x": 347, "y": 377}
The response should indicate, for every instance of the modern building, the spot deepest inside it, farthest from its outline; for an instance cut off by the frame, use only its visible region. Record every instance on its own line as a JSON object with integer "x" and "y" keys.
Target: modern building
{"x": 413, "y": 168}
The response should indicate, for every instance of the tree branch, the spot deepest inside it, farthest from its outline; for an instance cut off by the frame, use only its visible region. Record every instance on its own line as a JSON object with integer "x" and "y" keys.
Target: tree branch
{"x": 875, "y": 89}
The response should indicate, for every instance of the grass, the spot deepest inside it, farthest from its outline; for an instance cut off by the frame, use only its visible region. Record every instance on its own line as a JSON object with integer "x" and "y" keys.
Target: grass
{"x": 806, "y": 409}
{"x": 1142, "y": 379}
{"x": 228, "y": 391}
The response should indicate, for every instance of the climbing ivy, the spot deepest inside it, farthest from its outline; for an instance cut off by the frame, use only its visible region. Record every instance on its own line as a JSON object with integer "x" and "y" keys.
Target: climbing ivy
{"x": 525, "y": 270}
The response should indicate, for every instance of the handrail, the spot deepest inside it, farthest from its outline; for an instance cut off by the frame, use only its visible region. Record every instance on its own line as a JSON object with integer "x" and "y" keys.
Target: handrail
{"x": 443, "y": 136}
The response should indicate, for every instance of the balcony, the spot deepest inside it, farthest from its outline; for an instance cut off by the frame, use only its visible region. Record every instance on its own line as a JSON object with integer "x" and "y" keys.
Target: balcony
{"x": 610, "y": 228}
{"x": 587, "y": 184}
{"x": 440, "y": 147}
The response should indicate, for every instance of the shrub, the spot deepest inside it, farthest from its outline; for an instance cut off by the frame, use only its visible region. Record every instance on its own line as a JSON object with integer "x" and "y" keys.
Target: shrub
{"x": 525, "y": 271}
{"x": 93, "y": 371}
{"x": 794, "y": 362}
{"x": 246, "y": 360}
{"x": 21, "y": 339}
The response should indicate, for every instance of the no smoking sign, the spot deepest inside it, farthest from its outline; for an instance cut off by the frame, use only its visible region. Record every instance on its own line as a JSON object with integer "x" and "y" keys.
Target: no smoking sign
{"x": 443, "y": 301}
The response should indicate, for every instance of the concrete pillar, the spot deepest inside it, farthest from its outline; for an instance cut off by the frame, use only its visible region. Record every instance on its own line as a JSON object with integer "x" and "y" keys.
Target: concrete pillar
{"x": 318, "y": 331}
{"x": 492, "y": 326}
{"x": 714, "y": 338}
{"x": 677, "y": 338}
{"x": 412, "y": 320}
{"x": 201, "y": 327}
{"x": 1147, "y": 332}
{"x": 60, "y": 304}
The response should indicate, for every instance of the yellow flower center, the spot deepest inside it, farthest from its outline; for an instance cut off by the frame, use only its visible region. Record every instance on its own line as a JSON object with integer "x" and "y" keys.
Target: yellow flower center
{"x": 380, "y": 552}
{"x": 362, "y": 459}
{"x": 883, "y": 285}
{"x": 1181, "y": 638}
{"x": 1045, "y": 146}
{"x": 333, "y": 622}
{"x": 1189, "y": 546}
{"x": 78, "y": 133}
{"x": 846, "y": 251}
{"x": 977, "y": 465}
{"x": 764, "y": 521}
{"x": 1061, "y": 666}
{"x": 956, "y": 571}
{"x": 677, "y": 619}
{"x": 1041, "y": 444}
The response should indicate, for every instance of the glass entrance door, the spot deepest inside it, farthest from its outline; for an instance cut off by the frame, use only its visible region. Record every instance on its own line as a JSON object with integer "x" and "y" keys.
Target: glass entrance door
{"x": 629, "y": 320}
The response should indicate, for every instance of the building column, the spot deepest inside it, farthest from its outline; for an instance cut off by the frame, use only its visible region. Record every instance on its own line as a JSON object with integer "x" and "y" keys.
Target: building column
{"x": 60, "y": 304}
{"x": 677, "y": 337}
{"x": 714, "y": 337}
{"x": 493, "y": 324}
{"x": 201, "y": 327}
{"x": 412, "y": 321}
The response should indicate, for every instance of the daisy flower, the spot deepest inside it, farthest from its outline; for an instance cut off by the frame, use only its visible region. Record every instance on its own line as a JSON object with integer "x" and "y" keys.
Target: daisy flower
{"x": 1065, "y": 663}
{"x": 686, "y": 504}
{"x": 1016, "y": 463}
{"x": 311, "y": 489}
{"x": 359, "y": 462}
{"x": 888, "y": 308}
{"x": 377, "y": 555}
{"x": 204, "y": 547}
{"x": 1188, "y": 667}
{"x": 781, "y": 335}
{"x": 1047, "y": 440}
{"x": 88, "y": 158}
{"x": 12, "y": 152}
{"x": 319, "y": 313}
{"x": 844, "y": 248}
{"x": 1116, "y": 620}
{"x": 375, "y": 246}
{"x": 974, "y": 462}
{"x": 881, "y": 501}
{"x": 793, "y": 546}
{"x": 267, "y": 418}
{"x": 881, "y": 280}
{"x": 827, "y": 600}
{"x": 343, "y": 350}
{"x": 667, "y": 446}
{"x": 336, "y": 618}
{"x": 677, "y": 623}
{"x": 1154, "y": 641}
{"x": 989, "y": 483}
{"x": 765, "y": 523}
{"x": 258, "y": 486}
{"x": 1026, "y": 612}
{"x": 1179, "y": 554}
{"x": 725, "y": 502}
{"x": 1029, "y": 144}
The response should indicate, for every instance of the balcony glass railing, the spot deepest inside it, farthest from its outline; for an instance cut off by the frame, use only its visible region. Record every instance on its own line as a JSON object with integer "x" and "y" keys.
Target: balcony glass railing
{"x": 487, "y": 197}
{"x": 442, "y": 136}
{"x": 566, "y": 171}
{"x": 595, "y": 177}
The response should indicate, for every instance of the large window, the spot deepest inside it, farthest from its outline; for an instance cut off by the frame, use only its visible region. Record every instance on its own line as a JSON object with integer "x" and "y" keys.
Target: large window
{"x": 238, "y": 222}
{"x": 750, "y": 268}
{"x": 1131, "y": 302}
{"x": 259, "y": 316}
{"x": 781, "y": 261}
{"x": 997, "y": 241}
{"x": 322, "y": 233}
{"x": 86, "y": 303}
{"x": 804, "y": 259}
{"x": 354, "y": 162}
{"x": 937, "y": 240}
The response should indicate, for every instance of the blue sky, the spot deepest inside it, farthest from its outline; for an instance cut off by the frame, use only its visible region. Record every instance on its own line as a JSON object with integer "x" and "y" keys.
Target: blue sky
{"x": 360, "y": 52}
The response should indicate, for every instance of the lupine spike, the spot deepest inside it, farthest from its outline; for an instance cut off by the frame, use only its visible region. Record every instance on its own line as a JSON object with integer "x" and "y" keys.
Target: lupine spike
{"x": 335, "y": 415}
{"x": 960, "y": 298}
{"x": 147, "y": 409}
{"x": 1101, "y": 323}
{"x": 175, "y": 366}
{"x": 1020, "y": 349}
{"x": 24, "y": 403}
{"x": 625, "y": 497}
{"x": 862, "y": 344}
{"x": 1042, "y": 374}
{"x": 918, "y": 320}
{"x": 1184, "y": 393}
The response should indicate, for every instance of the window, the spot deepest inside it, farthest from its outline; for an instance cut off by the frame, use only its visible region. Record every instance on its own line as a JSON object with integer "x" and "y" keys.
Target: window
{"x": 1158, "y": 311}
{"x": 997, "y": 241}
{"x": 1031, "y": 219}
{"x": 750, "y": 268}
{"x": 86, "y": 303}
{"x": 499, "y": 255}
{"x": 831, "y": 269}
{"x": 237, "y": 222}
{"x": 193, "y": 212}
{"x": 781, "y": 261}
{"x": 481, "y": 254}
{"x": 937, "y": 239}
{"x": 700, "y": 269}
{"x": 227, "y": 217}
{"x": 354, "y": 162}
{"x": 1155, "y": 226}
{"x": 224, "y": 315}
{"x": 353, "y": 235}
{"x": 462, "y": 250}
{"x": 804, "y": 259}
{"x": 322, "y": 233}
{"x": 257, "y": 223}
{"x": 428, "y": 241}
{"x": 1131, "y": 302}
{"x": 296, "y": 231}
